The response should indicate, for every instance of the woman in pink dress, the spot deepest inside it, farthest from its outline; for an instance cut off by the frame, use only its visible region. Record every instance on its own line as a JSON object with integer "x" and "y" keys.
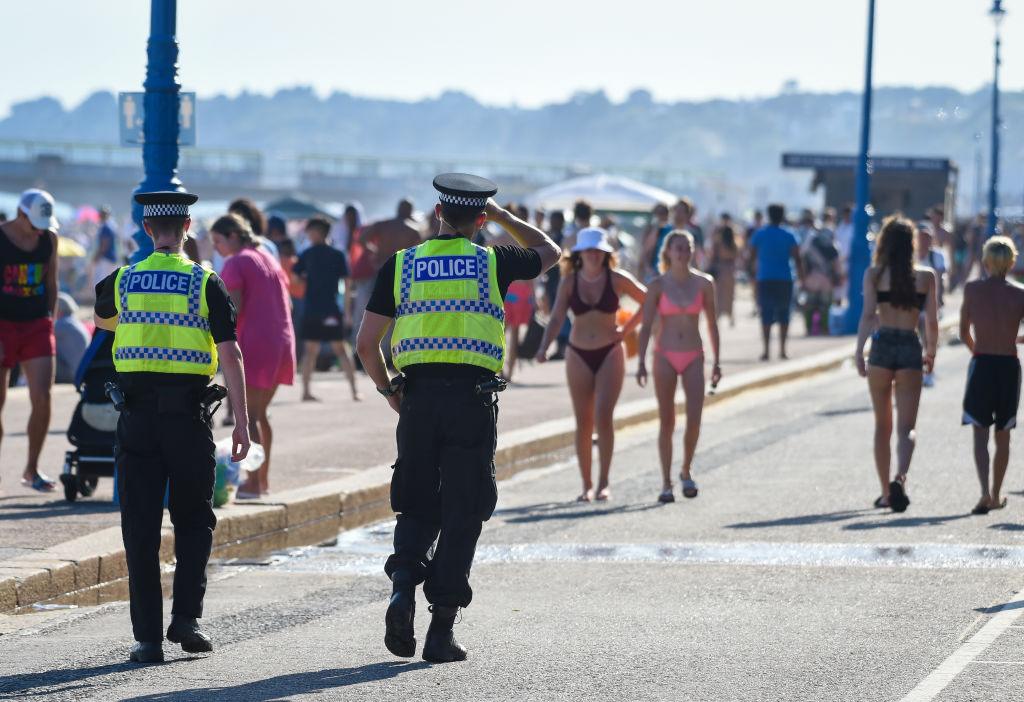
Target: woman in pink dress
{"x": 259, "y": 289}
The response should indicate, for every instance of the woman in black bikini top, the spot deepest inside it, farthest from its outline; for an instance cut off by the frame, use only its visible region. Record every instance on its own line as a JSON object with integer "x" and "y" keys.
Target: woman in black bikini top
{"x": 596, "y": 365}
{"x": 898, "y": 357}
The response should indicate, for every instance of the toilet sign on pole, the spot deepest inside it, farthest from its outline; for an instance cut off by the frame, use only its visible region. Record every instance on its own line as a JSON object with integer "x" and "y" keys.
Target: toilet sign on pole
{"x": 131, "y": 114}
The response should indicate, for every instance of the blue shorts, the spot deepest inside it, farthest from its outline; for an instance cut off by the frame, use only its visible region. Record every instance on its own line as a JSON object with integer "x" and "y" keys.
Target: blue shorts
{"x": 775, "y": 300}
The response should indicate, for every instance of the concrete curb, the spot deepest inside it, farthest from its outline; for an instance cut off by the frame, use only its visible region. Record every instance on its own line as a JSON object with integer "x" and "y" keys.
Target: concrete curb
{"x": 92, "y": 569}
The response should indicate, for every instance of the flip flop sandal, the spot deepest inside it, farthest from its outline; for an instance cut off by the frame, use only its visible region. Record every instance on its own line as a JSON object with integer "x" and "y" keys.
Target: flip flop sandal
{"x": 666, "y": 496}
{"x": 240, "y": 495}
{"x": 39, "y": 484}
{"x": 898, "y": 500}
{"x": 1001, "y": 505}
{"x": 603, "y": 495}
{"x": 980, "y": 509}
{"x": 585, "y": 497}
{"x": 881, "y": 503}
{"x": 690, "y": 489}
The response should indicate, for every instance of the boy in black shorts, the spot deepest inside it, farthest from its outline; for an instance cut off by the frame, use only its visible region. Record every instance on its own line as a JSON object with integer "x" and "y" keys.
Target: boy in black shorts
{"x": 323, "y": 267}
{"x": 989, "y": 323}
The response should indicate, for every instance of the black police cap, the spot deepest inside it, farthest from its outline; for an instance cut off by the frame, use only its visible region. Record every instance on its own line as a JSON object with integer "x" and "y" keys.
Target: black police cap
{"x": 464, "y": 190}
{"x": 167, "y": 203}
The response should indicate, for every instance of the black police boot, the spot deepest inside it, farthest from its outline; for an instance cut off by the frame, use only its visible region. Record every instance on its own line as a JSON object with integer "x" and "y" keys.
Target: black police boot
{"x": 399, "y": 636}
{"x": 440, "y": 645}
{"x": 186, "y": 631}
{"x": 147, "y": 652}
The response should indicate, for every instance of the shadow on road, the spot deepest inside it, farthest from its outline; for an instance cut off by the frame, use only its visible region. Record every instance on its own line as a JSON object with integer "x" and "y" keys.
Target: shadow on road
{"x": 901, "y": 522}
{"x": 803, "y": 519}
{"x": 1007, "y": 526}
{"x": 45, "y": 510}
{"x": 529, "y": 514}
{"x": 285, "y": 686}
{"x": 51, "y": 432}
{"x": 62, "y": 680}
{"x": 999, "y": 608}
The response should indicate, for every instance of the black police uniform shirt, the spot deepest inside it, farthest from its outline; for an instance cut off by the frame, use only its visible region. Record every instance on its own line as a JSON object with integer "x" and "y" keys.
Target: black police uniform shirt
{"x": 513, "y": 263}
{"x": 223, "y": 318}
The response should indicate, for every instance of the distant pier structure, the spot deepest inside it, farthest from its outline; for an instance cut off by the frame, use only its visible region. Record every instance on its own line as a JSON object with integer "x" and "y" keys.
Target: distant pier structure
{"x": 907, "y": 184}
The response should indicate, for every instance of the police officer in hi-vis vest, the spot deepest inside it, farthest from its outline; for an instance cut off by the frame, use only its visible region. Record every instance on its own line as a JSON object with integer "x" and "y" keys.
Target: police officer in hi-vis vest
{"x": 172, "y": 320}
{"x": 446, "y": 299}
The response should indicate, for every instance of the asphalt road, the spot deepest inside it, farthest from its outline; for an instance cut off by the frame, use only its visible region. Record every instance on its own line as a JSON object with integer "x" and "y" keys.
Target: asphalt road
{"x": 779, "y": 582}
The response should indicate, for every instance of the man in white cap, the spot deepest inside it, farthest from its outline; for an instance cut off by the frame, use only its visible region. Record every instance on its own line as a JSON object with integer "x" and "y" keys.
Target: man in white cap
{"x": 28, "y": 298}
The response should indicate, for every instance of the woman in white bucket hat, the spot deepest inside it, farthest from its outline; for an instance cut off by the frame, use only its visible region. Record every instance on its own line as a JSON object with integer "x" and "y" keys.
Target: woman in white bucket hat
{"x": 590, "y": 288}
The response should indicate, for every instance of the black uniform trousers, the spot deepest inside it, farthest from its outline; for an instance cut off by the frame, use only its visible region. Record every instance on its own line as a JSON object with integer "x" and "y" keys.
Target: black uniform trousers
{"x": 155, "y": 446}
{"x": 443, "y": 485}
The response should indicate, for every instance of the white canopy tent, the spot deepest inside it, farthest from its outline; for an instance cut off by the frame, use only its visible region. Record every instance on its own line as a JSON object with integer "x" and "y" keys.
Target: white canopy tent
{"x": 603, "y": 192}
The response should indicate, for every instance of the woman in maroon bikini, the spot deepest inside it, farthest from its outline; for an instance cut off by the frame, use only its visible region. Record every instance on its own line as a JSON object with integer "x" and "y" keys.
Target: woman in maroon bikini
{"x": 678, "y": 296}
{"x": 591, "y": 286}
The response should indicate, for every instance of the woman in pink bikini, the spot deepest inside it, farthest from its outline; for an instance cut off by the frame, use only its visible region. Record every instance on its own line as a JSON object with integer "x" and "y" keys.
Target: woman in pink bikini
{"x": 678, "y": 296}
{"x": 591, "y": 286}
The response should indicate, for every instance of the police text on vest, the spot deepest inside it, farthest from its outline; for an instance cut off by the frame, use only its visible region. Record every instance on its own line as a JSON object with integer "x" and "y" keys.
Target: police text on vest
{"x": 445, "y": 268}
{"x": 160, "y": 282}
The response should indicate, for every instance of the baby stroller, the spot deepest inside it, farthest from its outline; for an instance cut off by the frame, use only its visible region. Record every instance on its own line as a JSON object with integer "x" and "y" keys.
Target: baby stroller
{"x": 93, "y": 426}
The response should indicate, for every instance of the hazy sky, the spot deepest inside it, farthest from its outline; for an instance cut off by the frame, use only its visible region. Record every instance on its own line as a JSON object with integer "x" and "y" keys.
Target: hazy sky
{"x": 528, "y": 52}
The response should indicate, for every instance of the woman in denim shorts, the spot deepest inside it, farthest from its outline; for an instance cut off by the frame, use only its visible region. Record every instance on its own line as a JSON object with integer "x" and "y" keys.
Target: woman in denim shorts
{"x": 895, "y": 293}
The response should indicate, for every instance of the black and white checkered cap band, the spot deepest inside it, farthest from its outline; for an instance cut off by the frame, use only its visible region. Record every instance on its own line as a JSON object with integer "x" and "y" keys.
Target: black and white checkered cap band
{"x": 164, "y": 210}
{"x": 462, "y": 200}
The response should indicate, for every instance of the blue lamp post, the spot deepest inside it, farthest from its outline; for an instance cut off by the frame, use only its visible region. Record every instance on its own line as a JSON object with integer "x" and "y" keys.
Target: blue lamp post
{"x": 859, "y": 253}
{"x": 160, "y": 150}
{"x": 997, "y": 13}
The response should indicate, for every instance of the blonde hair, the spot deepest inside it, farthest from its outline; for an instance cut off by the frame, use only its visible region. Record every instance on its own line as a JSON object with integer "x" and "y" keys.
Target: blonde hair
{"x": 999, "y": 255}
{"x": 665, "y": 262}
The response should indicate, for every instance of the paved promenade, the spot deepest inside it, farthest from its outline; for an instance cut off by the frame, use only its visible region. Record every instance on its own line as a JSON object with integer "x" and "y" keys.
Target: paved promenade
{"x": 316, "y": 442}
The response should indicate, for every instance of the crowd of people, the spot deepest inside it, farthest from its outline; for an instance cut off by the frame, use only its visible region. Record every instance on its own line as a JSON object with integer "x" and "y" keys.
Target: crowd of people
{"x": 300, "y": 289}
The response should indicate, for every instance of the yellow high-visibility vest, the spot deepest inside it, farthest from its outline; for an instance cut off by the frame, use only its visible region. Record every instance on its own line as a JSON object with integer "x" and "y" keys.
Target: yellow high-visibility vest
{"x": 448, "y": 307}
{"x": 163, "y": 323}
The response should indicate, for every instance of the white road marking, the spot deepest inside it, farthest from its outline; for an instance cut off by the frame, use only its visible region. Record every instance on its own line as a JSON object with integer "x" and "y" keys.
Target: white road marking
{"x": 929, "y": 688}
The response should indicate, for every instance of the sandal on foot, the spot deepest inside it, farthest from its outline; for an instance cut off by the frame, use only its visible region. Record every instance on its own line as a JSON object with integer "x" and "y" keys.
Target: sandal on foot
{"x": 586, "y": 496}
{"x": 881, "y": 503}
{"x": 1001, "y": 504}
{"x": 980, "y": 509}
{"x": 689, "y": 488}
{"x": 40, "y": 483}
{"x": 603, "y": 495}
{"x": 898, "y": 500}
{"x": 666, "y": 496}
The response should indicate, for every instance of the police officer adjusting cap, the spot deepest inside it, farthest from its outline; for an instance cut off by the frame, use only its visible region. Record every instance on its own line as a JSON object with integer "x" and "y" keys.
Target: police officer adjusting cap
{"x": 167, "y": 203}
{"x": 464, "y": 190}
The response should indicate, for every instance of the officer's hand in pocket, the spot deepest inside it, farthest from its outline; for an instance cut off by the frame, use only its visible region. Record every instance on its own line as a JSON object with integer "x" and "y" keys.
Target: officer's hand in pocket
{"x": 240, "y": 442}
{"x": 396, "y": 401}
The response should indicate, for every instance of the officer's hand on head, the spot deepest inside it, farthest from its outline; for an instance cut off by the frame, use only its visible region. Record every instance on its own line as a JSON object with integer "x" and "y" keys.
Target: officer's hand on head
{"x": 240, "y": 442}
{"x": 492, "y": 208}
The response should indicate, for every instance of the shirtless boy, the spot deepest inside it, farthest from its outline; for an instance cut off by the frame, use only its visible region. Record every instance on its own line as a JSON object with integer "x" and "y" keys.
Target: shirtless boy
{"x": 990, "y": 319}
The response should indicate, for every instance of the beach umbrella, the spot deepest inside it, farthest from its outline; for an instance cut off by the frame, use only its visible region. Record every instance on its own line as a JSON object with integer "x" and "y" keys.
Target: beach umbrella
{"x": 69, "y": 248}
{"x": 603, "y": 192}
{"x": 87, "y": 213}
{"x": 296, "y": 207}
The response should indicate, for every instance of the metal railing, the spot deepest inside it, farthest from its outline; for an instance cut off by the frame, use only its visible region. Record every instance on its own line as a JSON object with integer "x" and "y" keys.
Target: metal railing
{"x": 110, "y": 155}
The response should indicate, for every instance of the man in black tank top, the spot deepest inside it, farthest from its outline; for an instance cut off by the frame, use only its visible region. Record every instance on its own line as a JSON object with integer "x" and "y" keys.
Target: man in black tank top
{"x": 28, "y": 298}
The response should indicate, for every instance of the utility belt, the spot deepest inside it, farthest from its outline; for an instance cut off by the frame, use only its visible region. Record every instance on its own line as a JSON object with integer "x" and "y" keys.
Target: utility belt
{"x": 169, "y": 399}
{"x": 482, "y": 385}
